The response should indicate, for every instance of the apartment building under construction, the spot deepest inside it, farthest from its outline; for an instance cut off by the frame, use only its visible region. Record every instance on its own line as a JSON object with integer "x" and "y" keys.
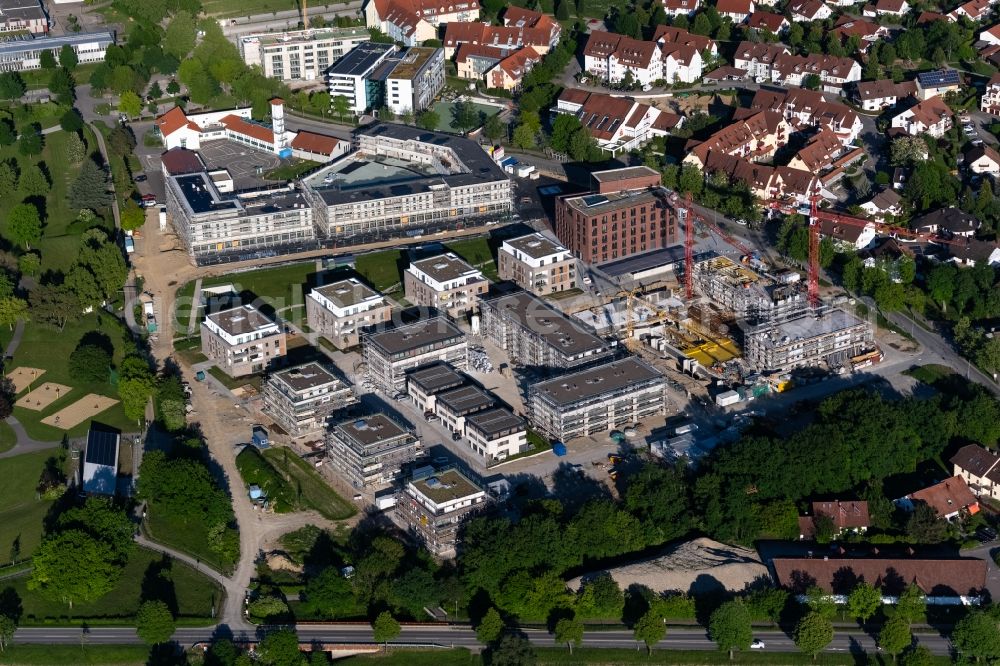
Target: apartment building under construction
{"x": 749, "y": 295}
{"x": 825, "y": 336}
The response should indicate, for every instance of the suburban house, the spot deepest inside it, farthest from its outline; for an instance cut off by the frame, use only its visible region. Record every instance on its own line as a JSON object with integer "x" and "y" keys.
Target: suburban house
{"x": 948, "y": 498}
{"x": 990, "y": 102}
{"x": 776, "y": 24}
{"x": 809, "y": 10}
{"x": 941, "y": 82}
{"x": 974, "y": 10}
{"x": 868, "y": 32}
{"x": 898, "y": 8}
{"x": 848, "y": 236}
{"x": 508, "y": 38}
{"x": 737, "y": 10}
{"x": 887, "y": 255}
{"x": 932, "y": 116}
{"x": 616, "y": 123}
{"x": 974, "y": 252}
{"x": 948, "y": 222}
{"x": 415, "y": 21}
{"x": 756, "y": 59}
{"x": 980, "y": 467}
{"x": 990, "y": 36}
{"x": 680, "y": 7}
{"x": 886, "y": 202}
{"x": 882, "y": 94}
{"x": 845, "y": 516}
{"x": 944, "y": 581}
{"x": 99, "y": 472}
{"x": 983, "y": 160}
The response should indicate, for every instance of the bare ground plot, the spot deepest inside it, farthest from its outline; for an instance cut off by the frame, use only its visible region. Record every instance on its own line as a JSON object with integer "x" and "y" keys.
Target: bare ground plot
{"x": 23, "y": 376}
{"x": 43, "y": 396}
{"x": 81, "y": 410}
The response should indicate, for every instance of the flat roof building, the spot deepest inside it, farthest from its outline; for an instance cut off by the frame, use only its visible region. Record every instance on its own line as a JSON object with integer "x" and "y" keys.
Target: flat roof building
{"x": 496, "y": 433}
{"x": 242, "y": 340}
{"x": 350, "y": 76}
{"x": 414, "y": 80}
{"x": 391, "y": 353}
{"x": 597, "y": 399}
{"x": 537, "y": 264}
{"x": 446, "y": 283}
{"x": 424, "y": 383}
{"x": 433, "y": 505}
{"x": 23, "y": 16}
{"x": 99, "y": 472}
{"x": 371, "y": 451}
{"x": 341, "y": 311}
{"x": 301, "y": 399}
{"x": 536, "y": 335}
{"x": 826, "y": 336}
{"x": 22, "y": 54}
{"x": 299, "y": 55}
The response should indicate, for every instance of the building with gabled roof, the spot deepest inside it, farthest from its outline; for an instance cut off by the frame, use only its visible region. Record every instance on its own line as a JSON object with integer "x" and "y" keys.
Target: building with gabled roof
{"x": 412, "y": 22}
{"x": 983, "y": 160}
{"x": 974, "y": 10}
{"x": 776, "y": 24}
{"x": 932, "y": 116}
{"x": 737, "y": 10}
{"x": 809, "y": 10}
{"x": 819, "y": 153}
{"x": 885, "y": 203}
{"x": 679, "y": 7}
{"x": 757, "y": 58}
{"x": 888, "y": 8}
{"x": 990, "y": 102}
{"x": 833, "y": 72}
{"x": 616, "y": 123}
{"x": 509, "y": 38}
{"x": 991, "y": 36}
{"x": 756, "y": 137}
{"x": 846, "y": 516}
{"x": 980, "y": 467}
{"x": 882, "y": 94}
{"x": 868, "y": 32}
{"x": 939, "y": 82}
{"x": 948, "y": 499}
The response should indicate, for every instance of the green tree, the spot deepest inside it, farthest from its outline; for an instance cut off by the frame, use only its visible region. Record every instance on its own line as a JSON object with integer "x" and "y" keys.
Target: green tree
{"x": 91, "y": 363}
{"x": 464, "y": 116}
{"x": 512, "y": 650}
{"x": 924, "y": 526}
{"x": 650, "y": 629}
{"x": 385, "y": 628}
{"x": 7, "y": 628}
{"x": 729, "y": 626}
{"x": 428, "y": 119}
{"x": 341, "y": 106}
{"x": 154, "y": 623}
{"x": 73, "y": 566}
{"x": 30, "y": 142}
{"x": 63, "y": 86}
{"x": 268, "y": 607}
{"x": 33, "y": 182}
{"x": 134, "y": 394}
{"x": 977, "y": 635}
{"x": 8, "y": 135}
{"x": 173, "y": 87}
{"x": 570, "y": 632}
{"x": 490, "y": 628}
{"x": 155, "y": 91}
{"x": 321, "y": 101}
{"x": 29, "y": 263}
{"x": 89, "y": 190}
{"x": 918, "y": 656}
{"x": 813, "y": 633}
{"x": 12, "y": 86}
{"x": 280, "y": 648}
{"x": 525, "y": 136}
{"x": 133, "y": 216}
{"x": 895, "y": 636}
{"x": 179, "y": 37}
{"x": 130, "y": 104}
{"x": 8, "y": 177}
{"x": 47, "y": 59}
{"x": 863, "y": 601}
{"x": 67, "y": 57}
{"x": 13, "y": 310}
{"x": 329, "y": 595}
{"x": 23, "y": 225}
{"x": 76, "y": 150}
{"x": 71, "y": 121}
{"x": 701, "y": 25}
{"x": 494, "y": 129}
{"x": 53, "y": 305}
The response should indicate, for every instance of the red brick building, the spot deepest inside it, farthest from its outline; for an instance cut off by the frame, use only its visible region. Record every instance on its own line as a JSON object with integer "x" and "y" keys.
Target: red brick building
{"x": 627, "y": 213}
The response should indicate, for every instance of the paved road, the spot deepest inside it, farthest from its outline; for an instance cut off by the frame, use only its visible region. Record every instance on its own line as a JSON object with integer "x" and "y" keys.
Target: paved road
{"x": 284, "y": 20}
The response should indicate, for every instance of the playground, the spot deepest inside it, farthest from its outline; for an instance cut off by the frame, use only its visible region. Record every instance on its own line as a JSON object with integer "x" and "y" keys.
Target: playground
{"x": 73, "y": 415}
{"x": 43, "y": 396}
{"x": 23, "y": 377}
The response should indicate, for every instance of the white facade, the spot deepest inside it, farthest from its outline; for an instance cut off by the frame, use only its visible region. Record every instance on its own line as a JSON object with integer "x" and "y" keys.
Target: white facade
{"x": 299, "y": 55}
{"x": 24, "y": 54}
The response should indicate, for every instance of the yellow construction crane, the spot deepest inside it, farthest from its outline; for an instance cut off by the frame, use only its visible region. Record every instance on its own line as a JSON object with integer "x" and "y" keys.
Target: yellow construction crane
{"x": 305, "y": 14}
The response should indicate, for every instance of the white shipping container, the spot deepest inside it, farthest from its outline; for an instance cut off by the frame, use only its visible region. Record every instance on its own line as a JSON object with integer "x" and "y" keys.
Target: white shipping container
{"x": 727, "y": 398}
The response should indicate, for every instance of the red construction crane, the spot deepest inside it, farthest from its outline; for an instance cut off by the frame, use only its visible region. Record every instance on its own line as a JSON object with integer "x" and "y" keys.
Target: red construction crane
{"x": 688, "y": 248}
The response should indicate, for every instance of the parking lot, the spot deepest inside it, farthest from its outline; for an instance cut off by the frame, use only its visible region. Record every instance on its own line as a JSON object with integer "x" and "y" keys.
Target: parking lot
{"x": 244, "y": 164}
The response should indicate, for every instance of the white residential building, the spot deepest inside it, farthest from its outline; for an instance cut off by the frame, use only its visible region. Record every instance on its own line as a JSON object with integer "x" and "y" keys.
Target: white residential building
{"x": 444, "y": 282}
{"x": 931, "y": 116}
{"x": 299, "y": 55}
{"x": 350, "y": 76}
{"x": 342, "y": 310}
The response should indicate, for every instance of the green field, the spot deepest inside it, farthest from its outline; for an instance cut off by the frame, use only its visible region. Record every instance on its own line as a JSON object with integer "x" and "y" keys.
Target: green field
{"x": 21, "y": 513}
{"x": 291, "y": 483}
{"x": 291, "y": 171}
{"x": 190, "y": 594}
{"x": 7, "y": 437}
{"x": 241, "y": 8}
{"x": 75, "y": 655}
{"x": 48, "y": 348}
{"x": 380, "y": 269}
{"x": 445, "y": 110}
{"x": 188, "y": 538}
{"x": 477, "y": 252}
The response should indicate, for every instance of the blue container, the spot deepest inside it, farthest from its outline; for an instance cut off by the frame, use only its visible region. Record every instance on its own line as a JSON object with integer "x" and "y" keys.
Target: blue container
{"x": 559, "y": 449}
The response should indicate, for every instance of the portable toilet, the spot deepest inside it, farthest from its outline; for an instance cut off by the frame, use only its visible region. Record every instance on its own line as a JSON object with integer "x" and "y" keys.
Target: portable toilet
{"x": 256, "y": 493}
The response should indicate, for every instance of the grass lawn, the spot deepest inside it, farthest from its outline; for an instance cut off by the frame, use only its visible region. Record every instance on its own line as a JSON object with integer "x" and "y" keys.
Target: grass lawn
{"x": 235, "y": 382}
{"x": 929, "y": 374}
{"x": 445, "y": 111}
{"x": 48, "y": 348}
{"x": 614, "y": 657}
{"x": 7, "y": 437}
{"x": 257, "y": 471}
{"x": 291, "y": 171}
{"x": 313, "y": 489}
{"x": 189, "y": 350}
{"x": 247, "y": 7}
{"x": 21, "y": 513}
{"x": 270, "y": 289}
{"x": 39, "y": 78}
{"x": 452, "y": 657}
{"x": 183, "y": 305}
{"x": 72, "y": 655}
{"x": 477, "y": 252}
{"x": 380, "y": 269}
{"x": 190, "y": 538}
{"x": 190, "y": 594}
{"x": 121, "y": 171}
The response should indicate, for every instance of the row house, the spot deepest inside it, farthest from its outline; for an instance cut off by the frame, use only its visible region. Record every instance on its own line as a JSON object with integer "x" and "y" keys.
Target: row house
{"x": 991, "y": 36}
{"x": 833, "y": 72}
{"x": 506, "y": 38}
{"x": 808, "y": 108}
{"x": 666, "y": 36}
{"x": 616, "y": 123}
{"x": 882, "y": 94}
{"x": 519, "y": 17}
{"x": 414, "y": 21}
{"x": 897, "y": 8}
{"x": 776, "y": 24}
{"x": 496, "y": 67}
{"x": 974, "y": 10}
{"x": 819, "y": 153}
{"x": 990, "y": 102}
{"x": 809, "y": 10}
{"x": 757, "y": 59}
{"x": 931, "y": 116}
{"x": 767, "y": 183}
{"x": 612, "y": 57}
{"x": 756, "y": 137}
{"x": 679, "y": 7}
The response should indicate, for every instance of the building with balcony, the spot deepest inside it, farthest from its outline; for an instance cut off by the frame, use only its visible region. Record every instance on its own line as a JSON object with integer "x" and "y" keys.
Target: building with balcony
{"x": 371, "y": 451}
{"x": 342, "y": 310}
{"x": 301, "y": 399}
{"x": 242, "y": 341}
{"x": 390, "y": 353}
{"x": 454, "y": 405}
{"x": 413, "y": 80}
{"x": 597, "y": 399}
{"x": 433, "y": 505}
{"x": 446, "y": 283}
{"x": 299, "y": 55}
{"x": 537, "y": 264}
{"x": 829, "y": 337}
{"x": 536, "y": 335}
{"x": 497, "y": 433}
{"x": 423, "y": 384}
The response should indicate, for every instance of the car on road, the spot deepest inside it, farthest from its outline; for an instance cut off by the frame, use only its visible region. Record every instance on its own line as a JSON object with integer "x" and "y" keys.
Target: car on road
{"x": 757, "y": 644}
{"x": 141, "y": 178}
{"x": 587, "y": 280}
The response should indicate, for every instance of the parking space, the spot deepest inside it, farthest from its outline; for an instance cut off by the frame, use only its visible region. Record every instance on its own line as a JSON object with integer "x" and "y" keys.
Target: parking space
{"x": 245, "y": 165}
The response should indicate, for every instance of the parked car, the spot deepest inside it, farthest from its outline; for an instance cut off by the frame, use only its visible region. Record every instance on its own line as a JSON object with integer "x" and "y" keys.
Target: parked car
{"x": 757, "y": 644}
{"x": 141, "y": 178}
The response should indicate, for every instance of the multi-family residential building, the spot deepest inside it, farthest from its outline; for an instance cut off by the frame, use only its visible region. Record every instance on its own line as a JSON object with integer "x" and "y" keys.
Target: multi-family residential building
{"x": 374, "y": 74}
{"x": 766, "y": 182}
{"x": 882, "y": 94}
{"x": 446, "y": 283}
{"x": 940, "y": 82}
{"x": 352, "y": 75}
{"x": 424, "y": 383}
{"x": 299, "y": 55}
{"x": 597, "y": 399}
{"x": 932, "y": 116}
{"x": 616, "y": 123}
{"x": 498, "y": 68}
{"x": 617, "y": 223}
{"x": 535, "y": 335}
{"x": 537, "y": 264}
{"x": 669, "y": 37}
{"x": 819, "y": 153}
{"x": 391, "y": 353}
{"x": 301, "y": 399}
{"x": 825, "y": 336}
{"x": 756, "y": 137}
{"x": 496, "y": 434}
{"x": 805, "y": 109}
{"x": 615, "y": 57}
{"x": 23, "y": 54}
{"x": 833, "y": 72}
{"x": 980, "y": 467}
{"x": 990, "y": 102}
{"x": 454, "y": 405}
{"x": 518, "y": 34}
{"x": 371, "y": 451}
{"x": 414, "y": 80}
{"x": 23, "y": 16}
{"x": 433, "y": 504}
{"x": 809, "y": 10}
{"x": 447, "y": 182}
{"x": 756, "y": 59}
{"x": 342, "y": 310}
{"x": 242, "y": 341}
{"x": 413, "y": 22}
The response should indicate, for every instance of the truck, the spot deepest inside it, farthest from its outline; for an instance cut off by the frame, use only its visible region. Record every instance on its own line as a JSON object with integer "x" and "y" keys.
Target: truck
{"x": 163, "y": 218}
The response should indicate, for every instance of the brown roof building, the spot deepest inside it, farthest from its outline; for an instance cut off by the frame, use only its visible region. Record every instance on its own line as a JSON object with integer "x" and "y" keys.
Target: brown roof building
{"x": 948, "y": 498}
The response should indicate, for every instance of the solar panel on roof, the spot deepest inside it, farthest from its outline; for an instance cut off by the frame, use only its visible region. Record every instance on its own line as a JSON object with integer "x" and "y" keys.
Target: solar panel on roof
{"x": 101, "y": 446}
{"x": 595, "y": 200}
